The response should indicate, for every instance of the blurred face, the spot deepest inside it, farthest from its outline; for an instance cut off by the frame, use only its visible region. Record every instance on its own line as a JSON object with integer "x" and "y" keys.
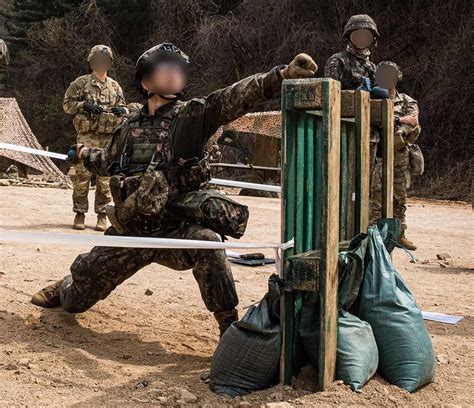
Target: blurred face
{"x": 386, "y": 77}
{"x": 362, "y": 38}
{"x": 167, "y": 78}
{"x": 100, "y": 62}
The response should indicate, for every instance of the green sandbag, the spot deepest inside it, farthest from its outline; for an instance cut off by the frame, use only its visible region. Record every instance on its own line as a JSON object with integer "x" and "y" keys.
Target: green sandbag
{"x": 405, "y": 351}
{"x": 357, "y": 353}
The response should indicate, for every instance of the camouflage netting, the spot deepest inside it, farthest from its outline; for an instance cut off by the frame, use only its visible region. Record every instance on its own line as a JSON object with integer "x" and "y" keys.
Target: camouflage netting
{"x": 264, "y": 123}
{"x": 15, "y": 130}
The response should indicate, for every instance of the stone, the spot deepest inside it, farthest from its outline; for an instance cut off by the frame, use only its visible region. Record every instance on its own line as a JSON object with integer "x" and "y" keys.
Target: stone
{"x": 4, "y": 183}
{"x": 142, "y": 384}
{"x": 11, "y": 367}
{"x": 148, "y": 292}
{"x": 245, "y": 404}
{"x": 283, "y": 404}
{"x": 23, "y": 362}
{"x": 163, "y": 400}
{"x": 442, "y": 358}
{"x": 444, "y": 256}
{"x": 186, "y": 396}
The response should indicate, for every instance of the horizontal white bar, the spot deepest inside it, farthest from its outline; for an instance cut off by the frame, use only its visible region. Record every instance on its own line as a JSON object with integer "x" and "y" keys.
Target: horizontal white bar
{"x": 243, "y": 184}
{"x": 244, "y": 166}
{"x": 127, "y": 241}
{"x": 219, "y": 182}
{"x": 30, "y": 150}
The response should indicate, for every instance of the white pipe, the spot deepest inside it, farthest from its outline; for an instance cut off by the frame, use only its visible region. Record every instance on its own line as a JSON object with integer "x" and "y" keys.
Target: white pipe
{"x": 127, "y": 241}
{"x": 30, "y": 150}
{"x": 219, "y": 182}
{"x": 243, "y": 184}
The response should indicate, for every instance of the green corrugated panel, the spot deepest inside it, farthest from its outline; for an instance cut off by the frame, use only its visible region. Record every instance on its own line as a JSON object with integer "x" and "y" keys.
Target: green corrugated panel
{"x": 343, "y": 184}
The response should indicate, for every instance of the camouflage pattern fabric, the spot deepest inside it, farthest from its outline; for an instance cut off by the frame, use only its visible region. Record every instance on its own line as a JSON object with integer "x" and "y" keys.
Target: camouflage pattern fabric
{"x": 349, "y": 67}
{"x": 214, "y": 210}
{"x": 95, "y": 274}
{"x": 403, "y": 105}
{"x": 93, "y": 131}
{"x": 82, "y": 181}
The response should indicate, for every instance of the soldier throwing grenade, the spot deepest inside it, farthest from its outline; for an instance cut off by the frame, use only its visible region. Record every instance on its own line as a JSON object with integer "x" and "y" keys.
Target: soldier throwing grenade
{"x": 97, "y": 103}
{"x": 156, "y": 158}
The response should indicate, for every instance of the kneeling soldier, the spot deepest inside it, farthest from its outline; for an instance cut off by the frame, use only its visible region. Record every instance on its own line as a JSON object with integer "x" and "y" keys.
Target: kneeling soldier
{"x": 158, "y": 165}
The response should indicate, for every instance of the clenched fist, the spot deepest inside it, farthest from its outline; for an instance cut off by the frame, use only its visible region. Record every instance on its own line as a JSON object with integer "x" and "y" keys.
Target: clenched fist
{"x": 302, "y": 66}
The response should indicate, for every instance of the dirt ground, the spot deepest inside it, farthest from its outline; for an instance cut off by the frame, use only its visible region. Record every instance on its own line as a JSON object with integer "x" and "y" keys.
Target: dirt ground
{"x": 132, "y": 349}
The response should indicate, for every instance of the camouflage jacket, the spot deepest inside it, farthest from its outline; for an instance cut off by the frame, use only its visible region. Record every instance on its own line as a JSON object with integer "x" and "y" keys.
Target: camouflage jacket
{"x": 88, "y": 88}
{"x": 349, "y": 67}
{"x": 195, "y": 122}
{"x": 404, "y": 105}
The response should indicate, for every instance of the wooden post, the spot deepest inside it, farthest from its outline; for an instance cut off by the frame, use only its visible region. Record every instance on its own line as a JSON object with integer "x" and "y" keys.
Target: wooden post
{"x": 387, "y": 158}
{"x": 310, "y": 209}
{"x": 362, "y": 125}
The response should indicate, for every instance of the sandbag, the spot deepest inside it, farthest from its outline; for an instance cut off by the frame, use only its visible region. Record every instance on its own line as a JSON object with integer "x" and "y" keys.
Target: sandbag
{"x": 247, "y": 357}
{"x": 357, "y": 354}
{"x": 406, "y": 356}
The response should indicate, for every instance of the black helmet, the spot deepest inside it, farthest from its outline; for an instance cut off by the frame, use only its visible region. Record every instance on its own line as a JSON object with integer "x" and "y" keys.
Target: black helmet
{"x": 147, "y": 61}
{"x": 360, "y": 21}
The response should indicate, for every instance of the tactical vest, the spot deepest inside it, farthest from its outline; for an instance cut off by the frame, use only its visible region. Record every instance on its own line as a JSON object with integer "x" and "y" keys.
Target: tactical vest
{"x": 148, "y": 175}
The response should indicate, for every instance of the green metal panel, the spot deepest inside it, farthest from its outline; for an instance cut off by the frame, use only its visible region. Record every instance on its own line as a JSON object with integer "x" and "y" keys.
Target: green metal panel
{"x": 309, "y": 184}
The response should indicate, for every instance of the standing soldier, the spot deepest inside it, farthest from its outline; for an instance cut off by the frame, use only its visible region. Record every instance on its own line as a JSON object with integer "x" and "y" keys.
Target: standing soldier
{"x": 352, "y": 65}
{"x": 158, "y": 165}
{"x": 407, "y": 130}
{"x": 98, "y": 106}
{"x": 4, "y": 62}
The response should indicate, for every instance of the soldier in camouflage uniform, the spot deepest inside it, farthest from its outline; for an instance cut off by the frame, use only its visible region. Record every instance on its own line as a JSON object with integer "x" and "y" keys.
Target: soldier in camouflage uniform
{"x": 98, "y": 106}
{"x": 156, "y": 158}
{"x": 352, "y": 65}
{"x": 4, "y": 62}
{"x": 407, "y": 130}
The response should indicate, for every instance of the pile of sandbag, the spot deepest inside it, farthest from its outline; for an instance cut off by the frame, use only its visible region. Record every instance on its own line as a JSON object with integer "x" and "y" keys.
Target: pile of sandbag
{"x": 380, "y": 329}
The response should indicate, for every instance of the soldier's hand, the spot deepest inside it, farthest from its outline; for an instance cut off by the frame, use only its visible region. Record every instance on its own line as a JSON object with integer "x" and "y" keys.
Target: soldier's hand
{"x": 302, "y": 66}
{"x": 74, "y": 154}
{"x": 409, "y": 120}
{"x": 91, "y": 107}
{"x": 119, "y": 110}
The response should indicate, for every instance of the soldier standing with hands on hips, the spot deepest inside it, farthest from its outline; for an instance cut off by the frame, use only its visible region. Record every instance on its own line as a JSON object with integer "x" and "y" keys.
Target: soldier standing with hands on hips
{"x": 98, "y": 106}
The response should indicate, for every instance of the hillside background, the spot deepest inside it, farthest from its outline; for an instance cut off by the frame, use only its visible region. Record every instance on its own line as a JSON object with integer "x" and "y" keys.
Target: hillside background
{"x": 228, "y": 40}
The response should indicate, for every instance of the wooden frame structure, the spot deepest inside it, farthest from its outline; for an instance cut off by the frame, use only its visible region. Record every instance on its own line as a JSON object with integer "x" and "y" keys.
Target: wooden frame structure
{"x": 325, "y": 199}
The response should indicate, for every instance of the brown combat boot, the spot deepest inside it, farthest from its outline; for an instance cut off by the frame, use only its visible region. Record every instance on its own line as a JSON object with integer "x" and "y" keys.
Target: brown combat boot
{"x": 79, "y": 221}
{"x": 225, "y": 319}
{"x": 49, "y": 296}
{"x": 101, "y": 222}
{"x": 406, "y": 243}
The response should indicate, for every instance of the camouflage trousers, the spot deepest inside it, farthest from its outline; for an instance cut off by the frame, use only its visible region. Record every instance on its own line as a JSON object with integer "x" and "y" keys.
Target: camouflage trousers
{"x": 80, "y": 201}
{"x": 401, "y": 182}
{"x": 96, "y": 274}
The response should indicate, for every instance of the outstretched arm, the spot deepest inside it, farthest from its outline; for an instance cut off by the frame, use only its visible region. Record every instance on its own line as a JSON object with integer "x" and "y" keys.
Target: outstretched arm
{"x": 227, "y": 104}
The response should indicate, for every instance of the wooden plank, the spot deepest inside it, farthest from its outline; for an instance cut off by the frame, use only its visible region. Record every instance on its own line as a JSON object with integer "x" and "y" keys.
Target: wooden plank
{"x": 330, "y": 242}
{"x": 343, "y": 184}
{"x": 309, "y": 184}
{"x": 287, "y": 229}
{"x": 347, "y": 104}
{"x": 351, "y": 183}
{"x": 300, "y": 182}
{"x": 362, "y": 115}
{"x": 387, "y": 158}
{"x": 376, "y": 111}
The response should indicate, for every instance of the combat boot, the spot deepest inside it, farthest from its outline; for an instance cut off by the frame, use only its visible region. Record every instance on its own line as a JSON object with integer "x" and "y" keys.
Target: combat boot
{"x": 49, "y": 296}
{"x": 79, "y": 221}
{"x": 225, "y": 319}
{"x": 406, "y": 243}
{"x": 101, "y": 222}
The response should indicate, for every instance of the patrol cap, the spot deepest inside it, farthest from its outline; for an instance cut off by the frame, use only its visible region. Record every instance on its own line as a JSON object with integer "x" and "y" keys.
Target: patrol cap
{"x": 360, "y": 21}
{"x": 393, "y": 65}
{"x": 104, "y": 49}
